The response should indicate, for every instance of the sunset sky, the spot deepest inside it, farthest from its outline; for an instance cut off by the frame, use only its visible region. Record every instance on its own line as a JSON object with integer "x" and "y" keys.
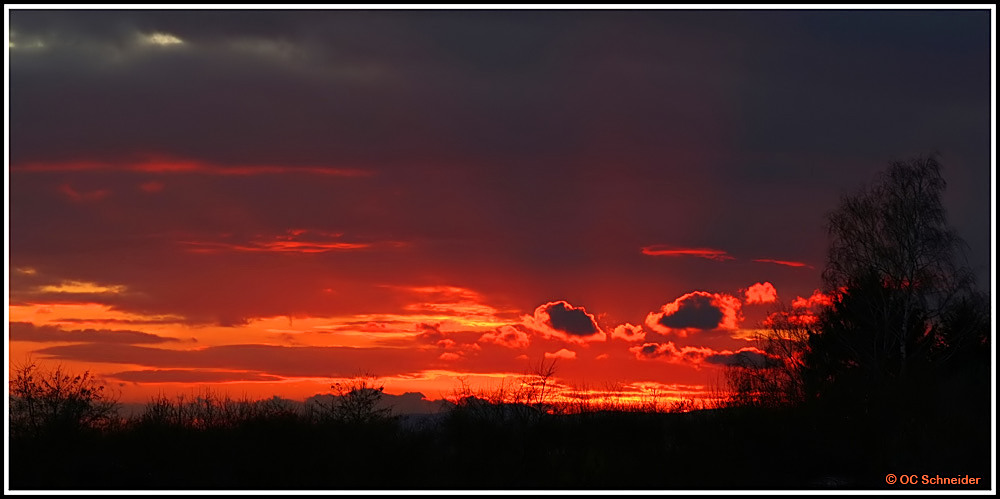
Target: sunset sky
{"x": 259, "y": 202}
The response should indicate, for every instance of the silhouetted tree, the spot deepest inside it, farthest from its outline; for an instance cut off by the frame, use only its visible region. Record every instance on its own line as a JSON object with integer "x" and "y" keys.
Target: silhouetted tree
{"x": 55, "y": 402}
{"x": 902, "y": 298}
{"x": 357, "y": 401}
{"x": 775, "y": 379}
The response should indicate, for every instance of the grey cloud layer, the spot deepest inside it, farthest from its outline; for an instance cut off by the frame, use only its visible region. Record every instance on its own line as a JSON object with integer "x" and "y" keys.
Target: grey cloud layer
{"x": 541, "y": 143}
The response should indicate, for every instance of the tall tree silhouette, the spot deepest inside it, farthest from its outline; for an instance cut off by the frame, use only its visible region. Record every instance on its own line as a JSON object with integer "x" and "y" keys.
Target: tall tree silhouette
{"x": 894, "y": 267}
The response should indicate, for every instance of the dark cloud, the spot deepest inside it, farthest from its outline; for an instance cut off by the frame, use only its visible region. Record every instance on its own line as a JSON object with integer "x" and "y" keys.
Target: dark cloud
{"x": 430, "y": 333}
{"x": 273, "y": 360}
{"x": 281, "y": 361}
{"x": 189, "y": 376}
{"x": 697, "y": 311}
{"x": 669, "y": 352}
{"x": 696, "y": 356}
{"x": 571, "y": 320}
{"x": 26, "y": 331}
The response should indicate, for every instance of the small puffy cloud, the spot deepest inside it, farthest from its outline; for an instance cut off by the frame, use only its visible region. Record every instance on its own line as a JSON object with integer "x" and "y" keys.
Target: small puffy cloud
{"x": 795, "y": 318}
{"x": 561, "y": 354}
{"x": 510, "y": 336}
{"x": 450, "y": 356}
{"x": 561, "y": 320}
{"x": 803, "y": 313}
{"x": 762, "y": 292}
{"x": 159, "y": 39}
{"x": 747, "y": 357}
{"x": 698, "y": 310}
{"x": 817, "y": 299}
{"x": 628, "y": 332}
{"x": 668, "y": 352}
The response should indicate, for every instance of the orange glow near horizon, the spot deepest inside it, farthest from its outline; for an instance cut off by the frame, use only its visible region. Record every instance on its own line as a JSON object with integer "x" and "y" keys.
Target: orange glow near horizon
{"x": 440, "y": 338}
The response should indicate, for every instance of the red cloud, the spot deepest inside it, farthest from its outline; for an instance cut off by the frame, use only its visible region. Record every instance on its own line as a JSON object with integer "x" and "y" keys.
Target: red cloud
{"x": 166, "y": 165}
{"x": 786, "y": 263}
{"x": 77, "y": 196}
{"x": 698, "y": 310}
{"x": 804, "y": 311}
{"x": 451, "y": 301}
{"x": 508, "y": 336}
{"x": 561, "y": 320}
{"x": 26, "y": 331}
{"x": 795, "y": 318}
{"x": 628, "y": 332}
{"x": 293, "y": 241}
{"x": 818, "y": 299}
{"x": 762, "y": 292}
{"x": 668, "y": 352}
{"x": 151, "y": 186}
{"x": 665, "y": 250}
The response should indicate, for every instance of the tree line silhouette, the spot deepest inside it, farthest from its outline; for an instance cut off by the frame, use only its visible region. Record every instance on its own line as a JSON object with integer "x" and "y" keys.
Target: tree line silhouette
{"x": 892, "y": 375}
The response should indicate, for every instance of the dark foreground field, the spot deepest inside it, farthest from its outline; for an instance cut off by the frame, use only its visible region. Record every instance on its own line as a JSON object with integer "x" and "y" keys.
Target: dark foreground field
{"x": 497, "y": 447}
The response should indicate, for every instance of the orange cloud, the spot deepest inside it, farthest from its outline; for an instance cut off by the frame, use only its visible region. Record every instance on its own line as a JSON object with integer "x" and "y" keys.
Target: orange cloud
{"x": 696, "y": 311}
{"x": 453, "y": 303}
{"x": 561, "y": 354}
{"x": 762, "y": 292}
{"x": 665, "y": 250}
{"x": 786, "y": 263}
{"x": 561, "y": 320}
{"x": 508, "y": 336}
{"x": 628, "y": 332}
